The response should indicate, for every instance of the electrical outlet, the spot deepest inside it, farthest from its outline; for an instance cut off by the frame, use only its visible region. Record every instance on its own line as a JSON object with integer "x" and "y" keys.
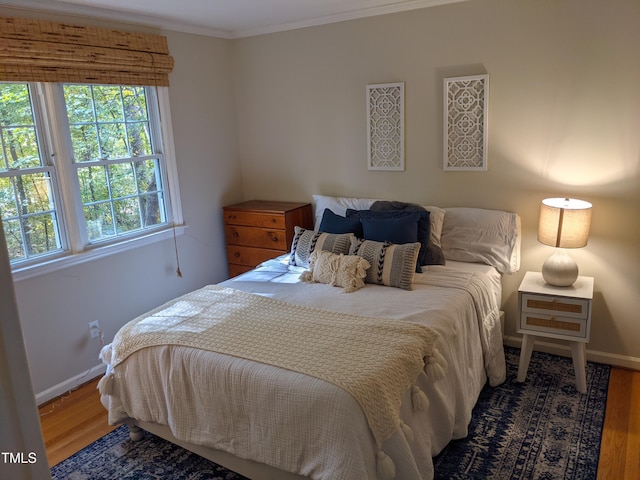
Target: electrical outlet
{"x": 94, "y": 329}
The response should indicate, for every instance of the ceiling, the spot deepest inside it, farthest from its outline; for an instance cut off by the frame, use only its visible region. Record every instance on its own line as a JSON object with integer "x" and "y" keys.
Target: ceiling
{"x": 226, "y": 18}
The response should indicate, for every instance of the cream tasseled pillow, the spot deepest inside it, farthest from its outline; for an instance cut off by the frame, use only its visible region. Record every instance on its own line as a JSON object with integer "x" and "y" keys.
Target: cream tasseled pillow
{"x": 338, "y": 270}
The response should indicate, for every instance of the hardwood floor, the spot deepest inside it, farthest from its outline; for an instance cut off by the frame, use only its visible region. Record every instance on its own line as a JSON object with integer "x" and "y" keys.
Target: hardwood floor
{"x": 620, "y": 448}
{"x": 73, "y": 421}
{"x": 77, "y": 419}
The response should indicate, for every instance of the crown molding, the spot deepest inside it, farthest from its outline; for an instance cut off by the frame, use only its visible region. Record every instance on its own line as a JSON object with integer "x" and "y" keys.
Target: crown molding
{"x": 152, "y": 21}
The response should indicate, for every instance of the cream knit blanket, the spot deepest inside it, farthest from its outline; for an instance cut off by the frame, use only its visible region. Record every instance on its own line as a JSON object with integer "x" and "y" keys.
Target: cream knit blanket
{"x": 375, "y": 360}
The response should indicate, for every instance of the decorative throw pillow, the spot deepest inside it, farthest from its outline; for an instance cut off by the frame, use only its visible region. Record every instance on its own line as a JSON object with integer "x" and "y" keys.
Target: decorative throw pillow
{"x": 393, "y": 230}
{"x": 306, "y": 241}
{"x": 334, "y": 223}
{"x": 430, "y": 253}
{"x": 391, "y": 265}
{"x": 337, "y": 270}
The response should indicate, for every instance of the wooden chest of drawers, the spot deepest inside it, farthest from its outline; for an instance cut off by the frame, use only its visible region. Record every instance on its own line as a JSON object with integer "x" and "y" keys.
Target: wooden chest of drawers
{"x": 258, "y": 230}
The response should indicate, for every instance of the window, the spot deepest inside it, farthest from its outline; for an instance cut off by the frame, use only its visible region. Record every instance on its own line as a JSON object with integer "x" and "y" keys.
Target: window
{"x": 82, "y": 167}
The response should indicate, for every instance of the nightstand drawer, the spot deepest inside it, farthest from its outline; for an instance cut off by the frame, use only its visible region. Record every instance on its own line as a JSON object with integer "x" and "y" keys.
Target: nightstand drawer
{"x": 550, "y": 305}
{"x": 254, "y": 219}
{"x": 553, "y": 325}
{"x": 256, "y": 237}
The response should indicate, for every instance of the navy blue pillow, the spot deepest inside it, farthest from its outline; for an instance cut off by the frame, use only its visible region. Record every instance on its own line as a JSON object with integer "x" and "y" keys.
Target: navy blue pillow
{"x": 334, "y": 223}
{"x": 394, "y": 230}
{"x": 426, "y": 256}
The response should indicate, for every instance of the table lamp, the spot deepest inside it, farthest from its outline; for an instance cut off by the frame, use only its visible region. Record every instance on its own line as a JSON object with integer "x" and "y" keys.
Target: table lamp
{"x": 564, "y": 223}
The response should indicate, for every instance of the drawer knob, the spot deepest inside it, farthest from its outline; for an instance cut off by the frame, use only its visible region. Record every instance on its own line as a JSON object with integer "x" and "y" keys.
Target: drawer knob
{"x": 235, "y": 233}
{"x": 236, "y": 254}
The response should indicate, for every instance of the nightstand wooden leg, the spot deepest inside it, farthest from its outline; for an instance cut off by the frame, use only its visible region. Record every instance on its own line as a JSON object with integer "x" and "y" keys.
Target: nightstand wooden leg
{"x": 579, "y": 365}
{"x": 525, "y": 356}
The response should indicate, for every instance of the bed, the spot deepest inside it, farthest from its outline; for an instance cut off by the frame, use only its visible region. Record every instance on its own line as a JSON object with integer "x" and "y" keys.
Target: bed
{"x": 270, "y": 420}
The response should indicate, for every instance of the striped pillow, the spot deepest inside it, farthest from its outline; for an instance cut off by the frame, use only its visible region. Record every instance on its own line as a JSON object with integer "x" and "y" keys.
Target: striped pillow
{"x": 306, "y": 241}
{"x": 391, "y": 264}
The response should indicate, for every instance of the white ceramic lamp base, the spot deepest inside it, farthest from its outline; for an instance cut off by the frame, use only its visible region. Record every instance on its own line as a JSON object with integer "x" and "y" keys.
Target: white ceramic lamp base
{"x": 560, "y": 270}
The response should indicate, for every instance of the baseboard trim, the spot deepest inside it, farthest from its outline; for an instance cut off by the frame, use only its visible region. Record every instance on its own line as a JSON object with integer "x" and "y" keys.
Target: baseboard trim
{"x": 69, "y": 384}
{"x": 623, "y": 361}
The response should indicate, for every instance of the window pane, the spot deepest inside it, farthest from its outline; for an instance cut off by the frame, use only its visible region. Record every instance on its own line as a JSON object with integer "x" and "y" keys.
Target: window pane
{"x": 127, "y": 213}
{"x": 41, "y": 233}
{"x": 84, "y": 139}
{"x": 8, "y": 207}
{"x": 148, "y": 173}
{"x": 139, "y": 140}
{"x": 151, "y": 212}
{"x": 122, "y": 180}
{"x": 113, "y": 140}
{"x": 16, "y": 104}
{"x": 135, "y": 103}
{"x": 34, "y": 193}
{"x": 99, "y": 221}
{"x": 93, "y": 184}
{"x": 108, "y": 102}
{"x": 21, "y": 147}
{"x": 13, "y": 235}
{"x": 79, "y": 101}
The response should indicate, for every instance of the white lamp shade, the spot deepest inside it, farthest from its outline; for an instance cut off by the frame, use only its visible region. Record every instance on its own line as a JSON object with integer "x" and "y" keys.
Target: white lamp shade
{"x": 564, "y": 222}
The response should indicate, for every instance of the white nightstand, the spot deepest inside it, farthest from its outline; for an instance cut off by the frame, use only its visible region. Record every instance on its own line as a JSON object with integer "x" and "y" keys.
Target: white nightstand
{"x": 555, "y": 312}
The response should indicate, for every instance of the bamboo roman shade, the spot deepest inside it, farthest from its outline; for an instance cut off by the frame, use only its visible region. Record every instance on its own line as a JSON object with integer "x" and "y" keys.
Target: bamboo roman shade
{"x": 43, "y": 51}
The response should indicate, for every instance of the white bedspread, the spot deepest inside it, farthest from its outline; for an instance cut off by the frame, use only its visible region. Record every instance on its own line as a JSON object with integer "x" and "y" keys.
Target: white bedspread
{"x": 304, "y": 425}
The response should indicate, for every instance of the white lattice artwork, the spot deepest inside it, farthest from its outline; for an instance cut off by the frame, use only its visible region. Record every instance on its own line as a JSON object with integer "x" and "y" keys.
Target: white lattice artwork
{"x": 465, "y": 122}
{"x": 385, "y": 113}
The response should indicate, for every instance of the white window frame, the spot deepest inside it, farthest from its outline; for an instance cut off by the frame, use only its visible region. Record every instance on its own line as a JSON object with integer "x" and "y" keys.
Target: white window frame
{"x": 51, "y": 112}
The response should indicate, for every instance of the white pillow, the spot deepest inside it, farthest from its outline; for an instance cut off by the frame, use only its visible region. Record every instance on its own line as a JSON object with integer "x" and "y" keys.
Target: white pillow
{"x": 482, "y": 236}
{"x": 339, "y": 205}
{"x": 436, "y": 220}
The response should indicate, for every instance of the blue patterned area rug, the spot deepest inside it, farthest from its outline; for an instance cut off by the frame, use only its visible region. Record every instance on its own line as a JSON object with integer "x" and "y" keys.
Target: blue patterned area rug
{"x": 540, "y": 429}
{"x": 116, "y": 457}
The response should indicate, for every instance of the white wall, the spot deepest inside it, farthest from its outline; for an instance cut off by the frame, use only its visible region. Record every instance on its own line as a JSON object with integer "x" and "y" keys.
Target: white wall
{"x": 563, "y": 121}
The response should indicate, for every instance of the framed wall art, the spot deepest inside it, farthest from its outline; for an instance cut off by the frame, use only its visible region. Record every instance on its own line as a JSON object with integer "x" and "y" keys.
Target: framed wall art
{"x": 385, "y": 120}
{"x": 465, "y": 123}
